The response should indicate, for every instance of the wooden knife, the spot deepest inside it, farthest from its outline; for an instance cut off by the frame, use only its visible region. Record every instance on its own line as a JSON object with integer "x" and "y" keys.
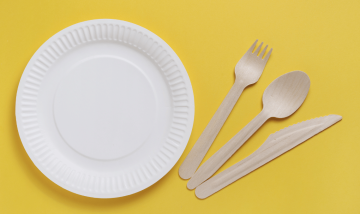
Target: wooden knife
{"x": 275, "y": 145}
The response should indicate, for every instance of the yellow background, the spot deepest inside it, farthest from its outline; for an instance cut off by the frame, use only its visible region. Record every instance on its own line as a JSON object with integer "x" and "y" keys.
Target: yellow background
{"x": 321, "y": 38}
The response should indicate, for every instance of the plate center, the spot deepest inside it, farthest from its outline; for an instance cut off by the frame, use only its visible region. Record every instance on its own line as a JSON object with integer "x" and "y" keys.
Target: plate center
{"x": 105, "y": 108}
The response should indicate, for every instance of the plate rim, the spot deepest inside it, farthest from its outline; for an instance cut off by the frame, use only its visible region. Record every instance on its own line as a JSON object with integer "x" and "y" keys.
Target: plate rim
{"x": 185, "y": 137}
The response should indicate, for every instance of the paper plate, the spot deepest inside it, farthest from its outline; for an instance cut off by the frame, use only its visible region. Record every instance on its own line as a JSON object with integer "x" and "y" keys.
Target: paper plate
{"x": 105, "y": 108}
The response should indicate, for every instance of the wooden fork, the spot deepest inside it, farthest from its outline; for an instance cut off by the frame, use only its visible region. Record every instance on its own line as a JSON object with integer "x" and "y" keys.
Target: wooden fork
{"x": 247, "y": 72}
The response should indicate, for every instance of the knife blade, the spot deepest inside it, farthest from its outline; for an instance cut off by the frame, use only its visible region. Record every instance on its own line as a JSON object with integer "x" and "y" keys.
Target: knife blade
{"x": 275, "y": 145}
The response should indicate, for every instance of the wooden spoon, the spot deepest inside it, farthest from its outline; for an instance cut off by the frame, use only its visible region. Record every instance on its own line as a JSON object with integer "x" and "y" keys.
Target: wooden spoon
{"x": 281, "y": 99}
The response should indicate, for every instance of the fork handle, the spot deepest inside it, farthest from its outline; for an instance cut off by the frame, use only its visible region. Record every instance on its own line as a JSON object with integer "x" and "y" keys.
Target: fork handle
{"x": 202, "y": 145}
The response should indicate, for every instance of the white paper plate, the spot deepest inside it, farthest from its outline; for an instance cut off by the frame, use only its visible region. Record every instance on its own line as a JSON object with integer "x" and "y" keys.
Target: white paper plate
{"x": 105, "y": 108}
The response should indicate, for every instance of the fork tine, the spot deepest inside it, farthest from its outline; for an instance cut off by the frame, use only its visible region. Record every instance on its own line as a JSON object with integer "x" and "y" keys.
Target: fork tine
{"x": 267, "y": 56}
{"x": 258, "y": 49}
{"x": 263, "y": 52}
{"x": 251, "y": 48}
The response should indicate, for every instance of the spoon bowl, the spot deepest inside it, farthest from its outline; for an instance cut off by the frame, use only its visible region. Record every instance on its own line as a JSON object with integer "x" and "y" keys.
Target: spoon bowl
{"x": 286, "y": 94}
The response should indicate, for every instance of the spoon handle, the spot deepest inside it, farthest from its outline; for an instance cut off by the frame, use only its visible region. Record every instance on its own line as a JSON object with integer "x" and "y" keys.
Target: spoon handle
{"x": 224, "y": 153}
{"x": 230, "y": 175}
{"x": 202, "y": 145}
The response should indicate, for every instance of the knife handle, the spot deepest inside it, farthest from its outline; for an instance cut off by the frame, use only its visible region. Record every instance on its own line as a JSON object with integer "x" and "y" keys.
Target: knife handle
{"x": 202, "y": 145}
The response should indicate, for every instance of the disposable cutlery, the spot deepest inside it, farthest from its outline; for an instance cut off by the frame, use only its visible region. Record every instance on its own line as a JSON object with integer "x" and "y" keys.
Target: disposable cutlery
{"x": 280, "y": 99}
